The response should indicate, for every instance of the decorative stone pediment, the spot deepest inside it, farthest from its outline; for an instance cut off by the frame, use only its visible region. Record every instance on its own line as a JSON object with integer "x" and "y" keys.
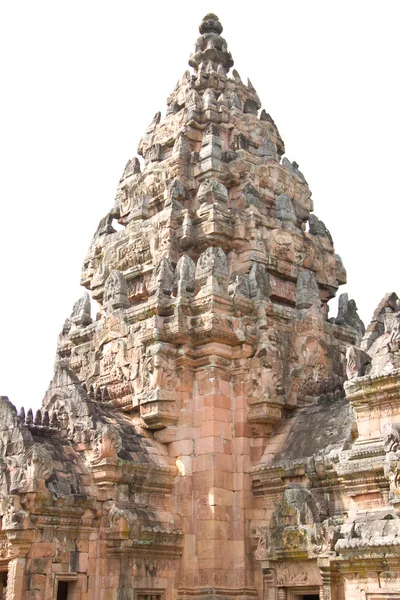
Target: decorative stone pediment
{"x": 298, "y": 528}
{"x": 127, "y": 534}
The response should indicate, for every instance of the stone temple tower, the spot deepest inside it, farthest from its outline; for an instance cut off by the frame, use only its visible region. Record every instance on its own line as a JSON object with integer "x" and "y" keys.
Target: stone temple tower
{"x": 152, "y": 470}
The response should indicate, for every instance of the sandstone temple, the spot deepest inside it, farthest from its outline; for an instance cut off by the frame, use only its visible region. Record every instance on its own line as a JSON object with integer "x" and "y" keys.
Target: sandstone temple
{"x": 212, "y": 434}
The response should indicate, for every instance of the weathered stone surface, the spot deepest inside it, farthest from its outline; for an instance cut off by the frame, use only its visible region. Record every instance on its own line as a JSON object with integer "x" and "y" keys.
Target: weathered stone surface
{"x": 115, "y": 291}
{"x": 318, "y": 228}
{"x": 196, "y": 440}
{"x": 377, "y": 326}
{"x": 348, "y": 315}
{"x": 307, "y": 291}
{"x": 357, "y": 362}
{"x": 285, "y": 211}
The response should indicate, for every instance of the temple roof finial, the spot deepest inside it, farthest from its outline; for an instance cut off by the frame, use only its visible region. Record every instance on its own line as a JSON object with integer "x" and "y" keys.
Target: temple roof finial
{"x": 211, "y": 50}
{"x": 210, "y": 24}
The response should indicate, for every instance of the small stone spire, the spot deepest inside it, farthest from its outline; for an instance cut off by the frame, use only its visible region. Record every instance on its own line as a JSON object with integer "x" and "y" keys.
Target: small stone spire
{"x": 211, "y": 50}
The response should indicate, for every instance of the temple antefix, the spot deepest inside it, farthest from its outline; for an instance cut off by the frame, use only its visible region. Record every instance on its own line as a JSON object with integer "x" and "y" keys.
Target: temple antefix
{"x": 199, "y": 439}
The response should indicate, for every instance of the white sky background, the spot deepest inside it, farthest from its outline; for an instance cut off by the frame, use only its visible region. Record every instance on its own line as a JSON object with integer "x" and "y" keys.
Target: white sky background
{"x": 80, "y": 82}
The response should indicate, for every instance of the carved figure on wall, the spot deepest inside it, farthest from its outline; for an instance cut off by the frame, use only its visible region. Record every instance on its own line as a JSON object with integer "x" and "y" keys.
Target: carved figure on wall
{"x": 325, "y": 537}
{"x": 158, "y": 373}
{"x": 162, "y": 279}
{"x": 348, "y": 315}
{"x": 154, "y": 240}
{"x": 16, "y": 473}
{"x": 394, "y": 340}
{"x": 291, "y": 574}
{"x": 184, "y": 280}
{"x": 101, "y": 272}
{"x": 14, "y": 516}
{"x": 357, "y": 361}
{"x": 137, "y": 369}
{"x": 261, "y": 534}
{"x": 391, "y": 437}
{"x": 39, "y": 466}
{"x": 296, "y": 524}
{"x": 107, "y": 442}
{"x": 63, "y": 418}
{"x": 239, "y": 285}
{"x": 393, "y": 473}
{"x": 212, "y": 268}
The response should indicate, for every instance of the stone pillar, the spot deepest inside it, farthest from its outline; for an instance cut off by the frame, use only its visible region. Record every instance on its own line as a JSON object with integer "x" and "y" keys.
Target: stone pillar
{"x": 326, "y": 575}
{"x": 218, "y": 526}
{"x": 16, "y": 568}
{"x": 269, "y": 584}
{"x": 282, "y": 594}
{"x": 214, "y": 487}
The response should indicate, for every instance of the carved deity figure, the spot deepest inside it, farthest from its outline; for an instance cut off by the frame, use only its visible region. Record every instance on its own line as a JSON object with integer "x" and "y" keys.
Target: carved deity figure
{"x": 394, "y": 340}
{"x": 38, "y": 467}
{"x": 261, "y": 552}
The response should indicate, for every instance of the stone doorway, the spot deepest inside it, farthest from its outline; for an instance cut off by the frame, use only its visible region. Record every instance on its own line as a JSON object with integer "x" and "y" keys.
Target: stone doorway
{"x": 303, "y": 594}
{"x": 62, "y": 590}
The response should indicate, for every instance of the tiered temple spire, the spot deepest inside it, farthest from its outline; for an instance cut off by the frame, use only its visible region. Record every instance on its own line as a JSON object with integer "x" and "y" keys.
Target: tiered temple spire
{"x": 211, "y": 50}
{"x": 195, "y": 440}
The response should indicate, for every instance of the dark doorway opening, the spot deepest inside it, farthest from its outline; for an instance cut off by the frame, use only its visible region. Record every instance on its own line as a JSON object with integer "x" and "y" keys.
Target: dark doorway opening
{"x": 3, "y": 585}
{"x": 62, "y": 590}
{"x": 310, "y": 597}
